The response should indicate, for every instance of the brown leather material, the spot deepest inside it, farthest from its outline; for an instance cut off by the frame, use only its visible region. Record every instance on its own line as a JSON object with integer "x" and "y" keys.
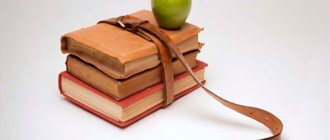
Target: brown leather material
{"x": 141, "y": 27}
{"x": 167, "y": 70}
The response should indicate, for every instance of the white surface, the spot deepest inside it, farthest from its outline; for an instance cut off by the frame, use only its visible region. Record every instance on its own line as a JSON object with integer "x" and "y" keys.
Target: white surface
{"x": 273, "y": 54}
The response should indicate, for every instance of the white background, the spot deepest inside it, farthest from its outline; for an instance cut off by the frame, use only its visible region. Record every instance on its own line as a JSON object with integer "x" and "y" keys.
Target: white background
{"x": 273, "y": 54}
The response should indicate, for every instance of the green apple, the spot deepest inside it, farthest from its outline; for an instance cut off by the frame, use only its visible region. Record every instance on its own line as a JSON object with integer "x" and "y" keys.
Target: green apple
{"x": 171, "y": 14}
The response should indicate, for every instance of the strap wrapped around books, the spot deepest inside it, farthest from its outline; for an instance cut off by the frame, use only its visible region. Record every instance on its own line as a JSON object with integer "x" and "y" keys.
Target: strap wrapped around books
{"x": 133, "y": 25}
{"x": 152, "y": 33}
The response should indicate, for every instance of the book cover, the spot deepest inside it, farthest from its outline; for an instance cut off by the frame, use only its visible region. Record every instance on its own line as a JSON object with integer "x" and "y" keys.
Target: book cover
{"x": 120, "y": 53}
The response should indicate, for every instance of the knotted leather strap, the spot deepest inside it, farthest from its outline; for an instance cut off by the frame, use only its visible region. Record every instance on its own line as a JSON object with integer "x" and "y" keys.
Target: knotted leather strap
{"x": 145, "y": 29}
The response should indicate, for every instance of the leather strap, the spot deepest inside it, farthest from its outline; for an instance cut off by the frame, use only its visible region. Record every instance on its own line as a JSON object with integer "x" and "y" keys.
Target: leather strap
{"x": 132, "y": 25}
{"x": 145, "y": 29}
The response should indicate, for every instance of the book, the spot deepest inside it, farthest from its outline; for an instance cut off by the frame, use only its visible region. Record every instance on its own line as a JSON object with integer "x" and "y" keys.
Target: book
{"x": 120, "y": 53}
{"x": 129, "y": 110}
{"x": 120, "y": 89}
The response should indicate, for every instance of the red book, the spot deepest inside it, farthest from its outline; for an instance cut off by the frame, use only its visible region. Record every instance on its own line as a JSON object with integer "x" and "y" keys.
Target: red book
{"x": 129, "y": 110}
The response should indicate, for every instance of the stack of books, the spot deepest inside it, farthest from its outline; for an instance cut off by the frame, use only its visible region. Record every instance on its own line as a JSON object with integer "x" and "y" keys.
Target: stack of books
{"x": 117, "y": 75}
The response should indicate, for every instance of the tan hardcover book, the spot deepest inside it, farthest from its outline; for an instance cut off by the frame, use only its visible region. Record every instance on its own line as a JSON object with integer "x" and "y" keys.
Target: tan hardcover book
{"x": 121, "y": 54}
{"x": 119, "y": 89}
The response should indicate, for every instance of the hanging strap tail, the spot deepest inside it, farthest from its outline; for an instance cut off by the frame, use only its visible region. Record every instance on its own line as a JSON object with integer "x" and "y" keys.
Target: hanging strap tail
{"x": 152, "y": 33}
